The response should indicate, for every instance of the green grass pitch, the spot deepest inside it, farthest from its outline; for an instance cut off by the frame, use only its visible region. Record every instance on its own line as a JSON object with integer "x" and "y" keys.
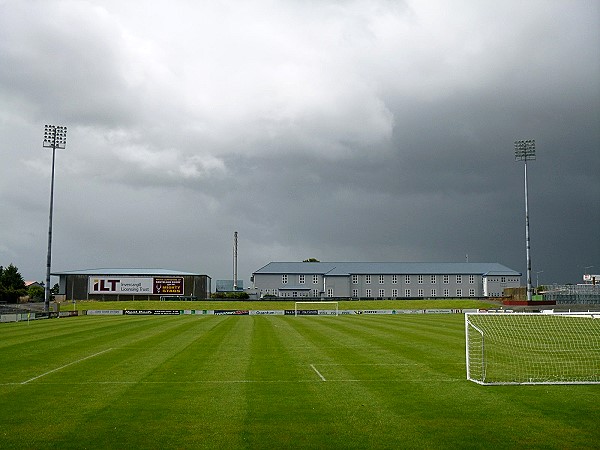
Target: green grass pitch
{"x": 270, "y": 382}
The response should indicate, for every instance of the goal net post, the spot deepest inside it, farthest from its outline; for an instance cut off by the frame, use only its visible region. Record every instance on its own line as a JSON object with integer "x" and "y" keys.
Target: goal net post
{"x": 332, "y": 308}
{"x": 533, "y": 348}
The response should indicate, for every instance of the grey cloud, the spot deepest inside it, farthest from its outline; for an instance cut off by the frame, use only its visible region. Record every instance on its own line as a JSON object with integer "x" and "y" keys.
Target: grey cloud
{"x": 342, "y": 130}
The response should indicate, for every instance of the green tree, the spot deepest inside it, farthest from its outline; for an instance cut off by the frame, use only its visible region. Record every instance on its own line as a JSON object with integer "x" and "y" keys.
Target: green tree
{"x": 311, "y": 260}
{"x": 12, "y": 285}
{"x": 35, "y": 292}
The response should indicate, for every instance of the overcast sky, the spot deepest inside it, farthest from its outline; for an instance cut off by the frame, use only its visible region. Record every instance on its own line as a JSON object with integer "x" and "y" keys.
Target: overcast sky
{"x": 373, "y": 130}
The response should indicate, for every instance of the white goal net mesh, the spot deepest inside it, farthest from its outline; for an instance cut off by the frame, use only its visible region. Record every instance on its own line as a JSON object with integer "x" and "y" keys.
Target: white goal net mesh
{"x": 522, "y": 348}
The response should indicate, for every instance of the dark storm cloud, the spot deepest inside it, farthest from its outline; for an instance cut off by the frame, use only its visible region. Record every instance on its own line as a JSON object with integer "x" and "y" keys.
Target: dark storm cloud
{"x": 358, "y": 130}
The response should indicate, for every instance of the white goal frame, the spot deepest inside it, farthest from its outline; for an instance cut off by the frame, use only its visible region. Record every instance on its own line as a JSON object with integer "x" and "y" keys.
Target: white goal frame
{"x": 532, "y": 348}
{"x": 337, "y": 311}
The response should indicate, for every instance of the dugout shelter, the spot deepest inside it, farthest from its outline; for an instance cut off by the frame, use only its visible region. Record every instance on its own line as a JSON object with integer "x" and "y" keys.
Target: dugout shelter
{"x": 133, "y": 284}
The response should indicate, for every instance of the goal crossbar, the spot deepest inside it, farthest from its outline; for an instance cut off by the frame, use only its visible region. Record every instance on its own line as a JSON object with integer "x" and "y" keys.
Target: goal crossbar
{"x": 316, "y": 303}
{"x": 533, "y": 348}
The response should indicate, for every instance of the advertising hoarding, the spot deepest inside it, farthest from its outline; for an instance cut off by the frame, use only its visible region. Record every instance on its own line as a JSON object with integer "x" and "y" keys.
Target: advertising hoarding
{"x": 136, "y": 285}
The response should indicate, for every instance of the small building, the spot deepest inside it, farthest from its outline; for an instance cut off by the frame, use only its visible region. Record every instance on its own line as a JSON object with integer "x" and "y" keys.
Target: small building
{"x": 384, "y": 280}
{"x": 132, "y": 284}
{"x": 227, "y": 286}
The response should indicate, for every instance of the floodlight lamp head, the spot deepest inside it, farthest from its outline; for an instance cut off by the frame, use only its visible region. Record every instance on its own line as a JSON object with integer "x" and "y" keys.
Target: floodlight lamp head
{"x": 55, "y": 136}
{"x": 525, "y": 150}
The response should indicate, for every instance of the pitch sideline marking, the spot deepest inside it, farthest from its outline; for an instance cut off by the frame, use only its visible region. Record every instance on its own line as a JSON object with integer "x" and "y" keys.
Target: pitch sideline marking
{"x": 66, "y": 365}
{"x": 318, "y": 373}
{"x": 391, "y": 364}
{"x": 348, "y": 380}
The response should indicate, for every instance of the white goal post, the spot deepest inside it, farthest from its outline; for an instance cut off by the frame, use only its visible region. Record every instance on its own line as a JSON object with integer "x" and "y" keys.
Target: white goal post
{"x": 319, "y": 311}
{"x": 533, "y": 348}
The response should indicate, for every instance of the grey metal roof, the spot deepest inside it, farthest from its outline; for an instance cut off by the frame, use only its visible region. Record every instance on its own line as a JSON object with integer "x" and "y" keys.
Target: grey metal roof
{"x": 125, "y": 272}
{"x": 383, "y": 268}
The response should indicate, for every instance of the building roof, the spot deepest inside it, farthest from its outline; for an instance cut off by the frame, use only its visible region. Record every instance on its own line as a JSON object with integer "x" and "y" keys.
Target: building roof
{"x": 383, "y": 268}
{"x": 125, "y": 272}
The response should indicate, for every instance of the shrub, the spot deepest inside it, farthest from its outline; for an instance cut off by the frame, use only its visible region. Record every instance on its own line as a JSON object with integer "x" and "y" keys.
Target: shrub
{"x": 36, "y": 293}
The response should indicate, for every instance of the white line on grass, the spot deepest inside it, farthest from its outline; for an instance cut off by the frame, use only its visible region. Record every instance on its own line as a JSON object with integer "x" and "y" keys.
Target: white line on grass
{"x": 318, "y": 373}
{"x": 225, "y": 382}
{"x": 392, "y": 364}
{"x": 66, "y": 365}
{"x": 373, "y": 364}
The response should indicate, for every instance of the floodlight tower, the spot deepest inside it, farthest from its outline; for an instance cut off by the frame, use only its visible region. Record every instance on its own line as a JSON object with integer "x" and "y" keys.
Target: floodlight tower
{"x": 54, "y": 137}
{"x": 525, "y": 151}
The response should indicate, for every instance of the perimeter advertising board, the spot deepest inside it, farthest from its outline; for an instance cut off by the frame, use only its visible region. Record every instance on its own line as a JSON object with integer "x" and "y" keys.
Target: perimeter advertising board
{"x": 136, "y": 285}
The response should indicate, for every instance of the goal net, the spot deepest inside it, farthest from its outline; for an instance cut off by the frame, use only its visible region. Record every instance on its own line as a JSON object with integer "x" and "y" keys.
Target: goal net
{"x": 316, "y": 308}
{"x": 533, "y": 348}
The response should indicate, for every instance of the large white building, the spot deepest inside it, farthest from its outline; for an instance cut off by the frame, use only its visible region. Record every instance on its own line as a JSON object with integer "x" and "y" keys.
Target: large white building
{"x": 384, "y": 280}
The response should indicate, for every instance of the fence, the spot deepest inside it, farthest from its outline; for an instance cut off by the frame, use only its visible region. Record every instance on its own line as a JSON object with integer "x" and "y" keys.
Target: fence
{"x": 582, "y": 294}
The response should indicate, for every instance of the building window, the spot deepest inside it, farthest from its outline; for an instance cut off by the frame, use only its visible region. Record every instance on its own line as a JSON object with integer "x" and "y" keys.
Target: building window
{"x": 329, "y": 292}
{"x": 394, "y": 279}
{"x": 421, "y": 293}
{"x": 315, "y": 292}
{"x": 433, "y": 293}
{"x": 407, "y": 279}
{"x": 294, "y": 294}
{"x": 283, "y": 279}
{"x": 446, "y": 292}
{"x": 503, "y": 280}
{"x": 394, "y": 293}
{"x": 471, "y": 279}
{"x": 315, "y": 279}
{"x": 381, "y": 279}
{"x": 354, "y": 293}
{"x": 368, "y": 292}
{"x": 301, "y": 279}
{"x": 458, "y": 279}
{"x": 446, "y": 279}
{"x": 354, "y": 279}
{"x": 382, "y": 292}
{"x": 368, "y": 279}
{"x": 471, "y": 292}
{"x": 420, "y": 279}
{"x": 459, "y": 292}
{"x": 433, "y": 279}
{"x": 407, "y": 292}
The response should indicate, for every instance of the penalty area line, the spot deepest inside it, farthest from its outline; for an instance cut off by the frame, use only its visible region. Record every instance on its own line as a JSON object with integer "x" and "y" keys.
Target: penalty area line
{"x": 66, "y": 365}
{"x": 317, "y": 372}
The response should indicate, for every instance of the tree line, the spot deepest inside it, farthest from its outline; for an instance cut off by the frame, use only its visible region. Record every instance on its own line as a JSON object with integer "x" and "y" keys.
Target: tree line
{"x": 12, "y": 286}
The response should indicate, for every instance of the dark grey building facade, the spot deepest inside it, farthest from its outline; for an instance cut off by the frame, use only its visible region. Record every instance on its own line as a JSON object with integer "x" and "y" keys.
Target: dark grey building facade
{"x": 132, "y": 284}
